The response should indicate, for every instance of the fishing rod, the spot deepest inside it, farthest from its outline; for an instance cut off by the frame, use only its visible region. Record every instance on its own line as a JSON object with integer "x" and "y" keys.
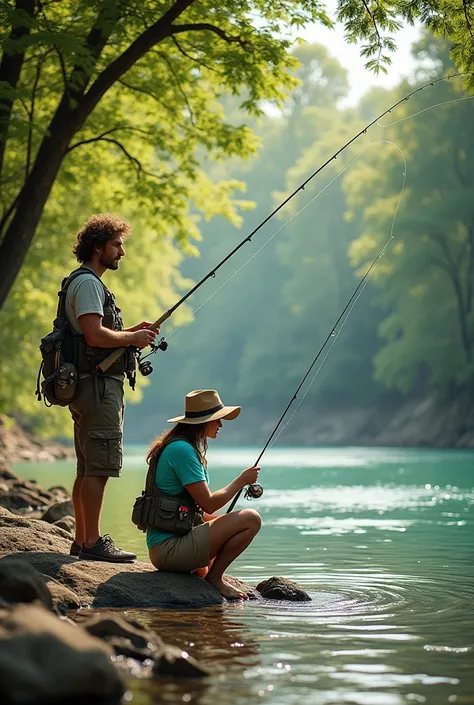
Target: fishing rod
{"x": 255, "y": 491}
{"x": 145, "y": 367}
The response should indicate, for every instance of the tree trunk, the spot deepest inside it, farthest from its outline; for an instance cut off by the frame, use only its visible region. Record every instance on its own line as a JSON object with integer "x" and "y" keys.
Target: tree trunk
{"x": 34, "y": 195}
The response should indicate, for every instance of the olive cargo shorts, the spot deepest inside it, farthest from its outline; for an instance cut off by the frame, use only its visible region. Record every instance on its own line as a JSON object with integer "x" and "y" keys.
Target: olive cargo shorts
{"x": 183, "y": 554}
{"x": 97, "y": 413}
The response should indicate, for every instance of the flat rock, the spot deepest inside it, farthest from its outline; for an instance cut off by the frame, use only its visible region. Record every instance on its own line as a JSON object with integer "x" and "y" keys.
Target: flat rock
{"x": 282, "y": 589}
{"x": 100, "y": 584}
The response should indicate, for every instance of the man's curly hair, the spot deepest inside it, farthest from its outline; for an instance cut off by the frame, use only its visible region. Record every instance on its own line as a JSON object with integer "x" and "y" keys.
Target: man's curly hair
{"x": 98, "y": 230}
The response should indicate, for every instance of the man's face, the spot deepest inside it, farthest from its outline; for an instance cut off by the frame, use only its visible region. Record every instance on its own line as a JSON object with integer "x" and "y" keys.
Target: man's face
{"x": 112, "y": 252}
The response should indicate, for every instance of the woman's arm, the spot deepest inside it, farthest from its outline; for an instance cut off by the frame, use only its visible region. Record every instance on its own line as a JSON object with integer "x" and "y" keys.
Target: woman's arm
{"x": 211, "y": 501}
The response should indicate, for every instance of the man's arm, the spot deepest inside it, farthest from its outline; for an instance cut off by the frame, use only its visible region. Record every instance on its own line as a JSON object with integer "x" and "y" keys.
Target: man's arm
{"x": 98, "y": 336}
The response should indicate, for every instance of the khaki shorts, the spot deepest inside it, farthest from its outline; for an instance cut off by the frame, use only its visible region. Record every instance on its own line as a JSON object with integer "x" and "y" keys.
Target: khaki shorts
{"x": 97, "y": 413}
{"x": 183, "y": 554}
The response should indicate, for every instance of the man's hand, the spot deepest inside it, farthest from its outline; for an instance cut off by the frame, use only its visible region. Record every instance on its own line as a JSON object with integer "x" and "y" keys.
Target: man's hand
{"x": 141, "y": 326}
{"x": 143, "y": 337}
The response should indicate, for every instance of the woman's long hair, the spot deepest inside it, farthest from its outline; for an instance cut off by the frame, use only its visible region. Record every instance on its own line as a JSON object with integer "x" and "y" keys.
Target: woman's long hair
{"x": 195, "y": 434}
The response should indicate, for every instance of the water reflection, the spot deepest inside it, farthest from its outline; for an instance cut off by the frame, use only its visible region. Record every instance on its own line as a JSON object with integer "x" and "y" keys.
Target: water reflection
{"x": 217, "y": 639}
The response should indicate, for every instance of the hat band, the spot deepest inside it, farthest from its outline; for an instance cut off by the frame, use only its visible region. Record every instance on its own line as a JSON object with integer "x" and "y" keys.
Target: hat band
{"x": 198, "y": 414}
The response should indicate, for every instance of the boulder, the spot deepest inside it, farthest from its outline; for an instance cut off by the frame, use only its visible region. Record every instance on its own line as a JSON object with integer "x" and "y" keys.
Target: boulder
{"x": 282, "y": 589}
{"x": 63, "y": 597}
{"x": 58, "y": 511}
{"x": 20, "y": 582}
{"x": 45, "y": 659}
{"x": 17, "y": 533}
{"x": 68, "y": 523}
{"x": 139, "y": 585}
{"x": 6, "y": 473}
{"x": 15, "y": 501}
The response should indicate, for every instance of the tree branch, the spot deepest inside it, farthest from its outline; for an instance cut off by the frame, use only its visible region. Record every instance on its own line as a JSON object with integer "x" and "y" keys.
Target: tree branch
{"x": 376, "y": 29}
{"x": 206, "y": 27}
{"x": 192, "y": 58}
{"x": 136, "y": 163}
{"x": 151, "y": 36}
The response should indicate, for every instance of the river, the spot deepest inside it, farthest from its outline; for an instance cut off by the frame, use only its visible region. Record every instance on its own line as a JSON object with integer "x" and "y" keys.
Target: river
{"x": 381, "y": 539}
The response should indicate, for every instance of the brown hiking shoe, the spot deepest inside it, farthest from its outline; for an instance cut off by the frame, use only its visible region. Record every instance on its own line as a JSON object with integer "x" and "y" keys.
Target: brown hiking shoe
{"x": 104, "y": 549}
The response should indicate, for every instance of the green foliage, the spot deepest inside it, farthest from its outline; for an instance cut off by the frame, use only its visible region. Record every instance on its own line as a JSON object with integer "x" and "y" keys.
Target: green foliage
{"x": 426, "y": 279}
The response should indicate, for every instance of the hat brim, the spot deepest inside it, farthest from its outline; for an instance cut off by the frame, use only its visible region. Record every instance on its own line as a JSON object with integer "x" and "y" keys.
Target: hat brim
{"x": 228, "y": 413}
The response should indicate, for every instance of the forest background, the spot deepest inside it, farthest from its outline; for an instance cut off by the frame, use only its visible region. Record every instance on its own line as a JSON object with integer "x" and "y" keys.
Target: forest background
{"x": 401, "y": 365}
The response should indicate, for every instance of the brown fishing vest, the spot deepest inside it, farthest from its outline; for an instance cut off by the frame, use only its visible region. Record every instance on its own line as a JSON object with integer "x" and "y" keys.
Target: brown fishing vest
{"x": 155, "y": 509}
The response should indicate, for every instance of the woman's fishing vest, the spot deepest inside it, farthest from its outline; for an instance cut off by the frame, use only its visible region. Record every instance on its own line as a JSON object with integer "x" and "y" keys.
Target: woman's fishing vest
{"x": 155, "y": 509}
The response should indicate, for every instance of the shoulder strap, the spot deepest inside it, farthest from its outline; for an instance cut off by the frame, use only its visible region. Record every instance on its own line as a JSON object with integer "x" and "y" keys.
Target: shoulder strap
{"x": 61, "y": 312}
{"x": 150, "y": 486}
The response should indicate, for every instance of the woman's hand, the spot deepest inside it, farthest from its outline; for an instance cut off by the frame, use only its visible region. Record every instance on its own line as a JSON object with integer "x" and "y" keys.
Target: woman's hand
{"x": 249, "y": 476}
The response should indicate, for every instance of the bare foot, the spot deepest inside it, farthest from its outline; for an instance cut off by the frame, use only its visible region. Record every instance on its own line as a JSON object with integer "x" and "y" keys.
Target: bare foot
{"x": 227, "y": 590}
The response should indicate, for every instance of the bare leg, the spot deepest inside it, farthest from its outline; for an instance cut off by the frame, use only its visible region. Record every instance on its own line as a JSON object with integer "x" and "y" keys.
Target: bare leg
{"x": 230, "y": 535}
{"x": 80, "y": 535}
{"x": 92, "y": 497}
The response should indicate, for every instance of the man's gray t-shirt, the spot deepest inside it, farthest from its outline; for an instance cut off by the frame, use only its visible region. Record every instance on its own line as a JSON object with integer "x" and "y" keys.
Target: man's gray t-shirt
{"x": 85, "y": 294}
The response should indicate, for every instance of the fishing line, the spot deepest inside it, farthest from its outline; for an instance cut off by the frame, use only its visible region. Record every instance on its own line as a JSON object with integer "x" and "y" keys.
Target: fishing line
{"x": 115, "y": 355}
{"x": 408, "y": 117}
{"x": 295, "y": 215}
{"x": 257, "y": 490}
{"x": 425, "y": 110}
{"x": 334, "y": 335}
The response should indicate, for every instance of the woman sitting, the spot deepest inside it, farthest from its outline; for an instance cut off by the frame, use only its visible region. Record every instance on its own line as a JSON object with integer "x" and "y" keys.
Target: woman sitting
{"x": 179, "y": 456}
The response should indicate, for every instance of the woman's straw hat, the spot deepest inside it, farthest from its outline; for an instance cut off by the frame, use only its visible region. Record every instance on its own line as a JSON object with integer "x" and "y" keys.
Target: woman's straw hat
{"x": 203, "y": 405}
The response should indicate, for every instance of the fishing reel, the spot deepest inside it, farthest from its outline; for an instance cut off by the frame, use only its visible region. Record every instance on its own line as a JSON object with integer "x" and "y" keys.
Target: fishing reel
{"x": 254, "y": 491}
{"x": 144, "y": 366}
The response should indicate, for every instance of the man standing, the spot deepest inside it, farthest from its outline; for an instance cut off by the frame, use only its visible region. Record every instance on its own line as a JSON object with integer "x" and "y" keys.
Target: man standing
{"x": 97, "y": 411}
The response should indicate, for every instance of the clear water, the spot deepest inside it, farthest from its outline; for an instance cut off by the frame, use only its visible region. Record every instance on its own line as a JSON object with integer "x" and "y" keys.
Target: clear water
{"x": 383, "y": 541}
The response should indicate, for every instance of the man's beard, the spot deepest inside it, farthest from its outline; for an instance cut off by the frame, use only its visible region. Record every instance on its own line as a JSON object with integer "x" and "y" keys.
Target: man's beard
{"x": 109, "y": 263}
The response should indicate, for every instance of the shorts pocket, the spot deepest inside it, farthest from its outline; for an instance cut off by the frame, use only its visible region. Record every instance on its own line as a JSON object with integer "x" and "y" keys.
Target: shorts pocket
{"x": 104, "y": 449}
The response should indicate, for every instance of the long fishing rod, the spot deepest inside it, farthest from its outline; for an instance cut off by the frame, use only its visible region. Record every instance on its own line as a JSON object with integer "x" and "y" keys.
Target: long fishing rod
{"x": 146, "y": 368}
{"x": 255, "y": 491}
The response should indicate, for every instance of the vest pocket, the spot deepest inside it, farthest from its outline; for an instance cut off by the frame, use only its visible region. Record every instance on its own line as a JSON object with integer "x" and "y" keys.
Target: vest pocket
{"x": 105, "y": 449}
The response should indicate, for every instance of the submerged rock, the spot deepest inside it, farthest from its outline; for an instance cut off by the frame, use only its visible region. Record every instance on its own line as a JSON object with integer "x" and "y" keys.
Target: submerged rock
{"x": 282, "y": 589}
{"x": 45, "y": 659}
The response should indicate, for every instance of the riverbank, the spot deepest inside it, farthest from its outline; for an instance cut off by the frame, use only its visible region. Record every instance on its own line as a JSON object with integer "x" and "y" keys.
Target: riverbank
{"x": 50, "y": 657}
{"x": 416, "y": 421}
{"x": 18, "y": 444}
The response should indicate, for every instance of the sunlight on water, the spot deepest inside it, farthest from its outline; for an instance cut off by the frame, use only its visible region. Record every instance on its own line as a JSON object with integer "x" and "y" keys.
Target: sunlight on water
{"x": 383, "y": 541}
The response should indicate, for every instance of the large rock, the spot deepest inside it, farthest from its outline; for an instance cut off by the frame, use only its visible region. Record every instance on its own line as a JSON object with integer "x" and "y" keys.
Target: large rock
{"x": 44, "y": 659}
{"x": 17, "y": 533}
{"x": 20, "y": 582}
{"x": 100, "y": 584}
{"x": 282, "y": 589}
{"x": 58, "y": 511}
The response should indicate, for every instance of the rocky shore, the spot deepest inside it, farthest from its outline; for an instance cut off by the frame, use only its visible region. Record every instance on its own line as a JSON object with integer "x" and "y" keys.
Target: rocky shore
{"x": 47, "y": 656}
{"x": 18, "y": 444}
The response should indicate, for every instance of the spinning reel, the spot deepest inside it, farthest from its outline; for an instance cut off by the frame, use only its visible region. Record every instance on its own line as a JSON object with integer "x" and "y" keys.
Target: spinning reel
{"x": 254, "y": 491}
{"x": 144, "y": 366}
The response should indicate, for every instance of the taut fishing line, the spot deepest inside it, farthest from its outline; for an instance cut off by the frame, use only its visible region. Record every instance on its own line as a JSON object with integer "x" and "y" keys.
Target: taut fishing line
{"x": 255, "y": 491}
{"x": 335, "y": 335}
{"x": 110, "y": 359}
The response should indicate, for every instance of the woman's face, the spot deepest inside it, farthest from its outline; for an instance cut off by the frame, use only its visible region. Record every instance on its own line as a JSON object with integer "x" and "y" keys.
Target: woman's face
{"x": 212, "y": 428}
